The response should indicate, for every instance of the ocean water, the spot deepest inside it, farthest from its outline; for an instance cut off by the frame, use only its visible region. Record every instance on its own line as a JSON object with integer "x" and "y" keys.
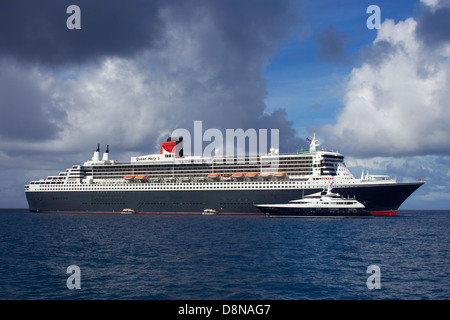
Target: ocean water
{"x": 223, "y": 257}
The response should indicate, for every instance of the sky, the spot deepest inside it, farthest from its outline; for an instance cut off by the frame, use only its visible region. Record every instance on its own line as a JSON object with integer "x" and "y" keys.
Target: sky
{"x": 137, "y": 70}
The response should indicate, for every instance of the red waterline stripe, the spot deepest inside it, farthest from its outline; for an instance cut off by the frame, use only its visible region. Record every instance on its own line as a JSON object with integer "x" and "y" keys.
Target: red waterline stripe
{"x": 184, "y": 213}
{"x": 179, "y": 213}
{"x": 199, "y": 213}
{"x": 243, "y": 214}
{"x": 384, "y": 213}
{"x": 96, "y": 212}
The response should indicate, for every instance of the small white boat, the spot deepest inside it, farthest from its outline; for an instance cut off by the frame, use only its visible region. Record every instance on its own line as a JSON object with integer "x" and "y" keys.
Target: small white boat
{"x": 209, "y": 212}
{"x": 128, "y": 211}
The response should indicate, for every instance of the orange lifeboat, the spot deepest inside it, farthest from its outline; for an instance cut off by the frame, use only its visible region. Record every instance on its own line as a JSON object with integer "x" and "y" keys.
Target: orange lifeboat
{"x": 279, "y": 174}
{"x": 213, "y": 176}
{"x": 237, "y": 176}
{"x": 266, "y": 175}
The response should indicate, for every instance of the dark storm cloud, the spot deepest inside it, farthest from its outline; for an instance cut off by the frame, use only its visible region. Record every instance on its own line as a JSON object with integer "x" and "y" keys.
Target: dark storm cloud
{"x": 433, "y": 27}
{"x": 332, "y": 46}
{"x": 244, "y": 36}
{"x": 219, "y": 79}
{"x": 36, "y": 31}
{"x": 26, "y": 113}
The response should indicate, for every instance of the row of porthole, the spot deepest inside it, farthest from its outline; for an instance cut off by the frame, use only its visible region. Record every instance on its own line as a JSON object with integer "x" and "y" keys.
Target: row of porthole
{"x": 224, "y": 186}
{"x": 161, "y": 188}
{"x": 270, "y": 183}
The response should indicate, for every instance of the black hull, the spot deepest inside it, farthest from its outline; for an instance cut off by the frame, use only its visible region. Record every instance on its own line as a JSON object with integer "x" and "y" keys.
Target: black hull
{"x": 381, "y": 199}
{"x": 378, "y": 199}
{"x": 314, "y": 212}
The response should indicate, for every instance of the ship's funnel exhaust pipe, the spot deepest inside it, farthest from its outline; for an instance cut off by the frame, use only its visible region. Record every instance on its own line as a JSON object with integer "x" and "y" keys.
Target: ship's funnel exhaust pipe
{"x": 173, "y": 145}
{"x": 106, "y": 154}
{"x": 96, "y": 154}
{"x": 179, "y": 148}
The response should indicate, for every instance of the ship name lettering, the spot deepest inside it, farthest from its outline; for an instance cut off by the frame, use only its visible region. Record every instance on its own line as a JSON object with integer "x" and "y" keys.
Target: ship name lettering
{"x": 145, "y": 158}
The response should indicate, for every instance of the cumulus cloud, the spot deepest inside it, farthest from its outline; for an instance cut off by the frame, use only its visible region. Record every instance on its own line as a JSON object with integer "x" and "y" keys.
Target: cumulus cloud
{"x": 435, "y": 3}
{"x": 396, "y": 103}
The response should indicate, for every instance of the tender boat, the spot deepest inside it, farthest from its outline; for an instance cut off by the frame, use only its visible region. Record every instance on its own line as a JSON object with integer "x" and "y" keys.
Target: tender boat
{"x": 128, "y": 211}
{"x": 209, "y": 212}
{"x": 321, "y": 204}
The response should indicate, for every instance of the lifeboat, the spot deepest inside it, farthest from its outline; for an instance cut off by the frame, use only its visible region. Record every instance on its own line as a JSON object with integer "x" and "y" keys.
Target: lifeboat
{"x": 266, "y": 175}
{"x": 209, "y": 212}
{"x": 213, "y": 176}
{"x": 237, "y": 176}
{"x": 140, "y": 178}
{"x": 251, "y": 175}
{"x": 129, "y": 178}
{"x": 280, "y": 175}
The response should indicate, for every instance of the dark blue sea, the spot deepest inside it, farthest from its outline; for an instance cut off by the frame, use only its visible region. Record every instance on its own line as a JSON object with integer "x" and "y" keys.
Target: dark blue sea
{"x": 223, "y": 257}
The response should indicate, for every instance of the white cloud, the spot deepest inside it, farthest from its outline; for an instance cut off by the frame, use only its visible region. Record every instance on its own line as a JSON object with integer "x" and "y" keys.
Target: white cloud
{"x": 430, "y": 3}
{"x": 117, "y": 101}
{"x": 397, "y": 104}
{"x": 434, "y": 4}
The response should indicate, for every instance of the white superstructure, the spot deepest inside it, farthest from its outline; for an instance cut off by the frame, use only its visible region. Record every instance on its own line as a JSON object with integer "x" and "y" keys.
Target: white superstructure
{"x": 170, "y": 182}
{"x": 311, "y": 168}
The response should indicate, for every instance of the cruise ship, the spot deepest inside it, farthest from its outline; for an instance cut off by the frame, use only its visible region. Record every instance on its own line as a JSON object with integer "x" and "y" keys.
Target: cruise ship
{"x": 172, "y": 183}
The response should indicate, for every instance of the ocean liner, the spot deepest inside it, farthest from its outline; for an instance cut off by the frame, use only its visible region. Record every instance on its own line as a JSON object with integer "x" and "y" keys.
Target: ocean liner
{"x": 171, "y": 183}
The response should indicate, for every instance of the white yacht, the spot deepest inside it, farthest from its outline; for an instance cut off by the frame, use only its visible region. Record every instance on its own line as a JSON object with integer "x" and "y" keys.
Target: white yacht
{"x": 320, "y": 204}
